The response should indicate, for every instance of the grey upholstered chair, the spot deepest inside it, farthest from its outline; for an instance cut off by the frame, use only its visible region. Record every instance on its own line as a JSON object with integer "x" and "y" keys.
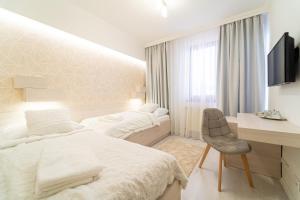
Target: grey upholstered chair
{"x": 217, "y": 134}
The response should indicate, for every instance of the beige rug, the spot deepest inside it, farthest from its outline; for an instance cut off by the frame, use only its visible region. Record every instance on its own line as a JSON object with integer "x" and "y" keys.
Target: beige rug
{"x": 186, "y": 153}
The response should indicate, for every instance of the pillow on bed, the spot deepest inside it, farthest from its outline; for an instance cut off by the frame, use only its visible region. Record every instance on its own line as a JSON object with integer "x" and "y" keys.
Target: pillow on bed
{"x": 43, "y": 122}
{"x": 149, "y": 107}
{"x": 160, "y": 112}
{"x": 14, "y": 131}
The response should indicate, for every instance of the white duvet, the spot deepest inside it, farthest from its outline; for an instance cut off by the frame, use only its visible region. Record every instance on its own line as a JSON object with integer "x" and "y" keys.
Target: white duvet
{"x": 122, "y": 125}
{"x": 130, "y": 171}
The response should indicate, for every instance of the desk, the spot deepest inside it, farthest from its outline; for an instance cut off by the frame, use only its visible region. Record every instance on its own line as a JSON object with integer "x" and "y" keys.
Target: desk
{"x": 266, "y": 137}
{"x": 264, "y": 158}
{"x": 253, "y": 128}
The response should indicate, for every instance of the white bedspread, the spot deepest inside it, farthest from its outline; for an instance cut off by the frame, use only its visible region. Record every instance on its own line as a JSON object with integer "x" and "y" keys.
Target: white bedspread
{"x": 130, "y": 171}
{"x": 122, "y": 125}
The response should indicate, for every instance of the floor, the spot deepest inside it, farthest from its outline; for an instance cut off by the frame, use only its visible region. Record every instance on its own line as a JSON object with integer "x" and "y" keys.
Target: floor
{"x": 203, "y": 183}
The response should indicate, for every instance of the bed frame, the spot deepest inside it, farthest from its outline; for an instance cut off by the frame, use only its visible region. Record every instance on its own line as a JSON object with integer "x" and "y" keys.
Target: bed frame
{"x": 151, "y": 136}
{"x": 173, "y": 192}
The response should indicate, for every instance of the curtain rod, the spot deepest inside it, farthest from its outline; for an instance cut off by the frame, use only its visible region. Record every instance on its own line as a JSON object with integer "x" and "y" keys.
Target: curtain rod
{"x": 261, "y": 10}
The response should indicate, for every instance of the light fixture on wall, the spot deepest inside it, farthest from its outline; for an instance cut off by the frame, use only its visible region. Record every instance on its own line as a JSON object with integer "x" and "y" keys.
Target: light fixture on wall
{"x": 135, "y": 104}
{"x": 35, "y": 88}
{"x": 138, "y": 98}
{"x": 164, "y": 9}
{"x": 29, "y": 85}
{"x": 41, "y": 105}
{"x": 36, "y": 94}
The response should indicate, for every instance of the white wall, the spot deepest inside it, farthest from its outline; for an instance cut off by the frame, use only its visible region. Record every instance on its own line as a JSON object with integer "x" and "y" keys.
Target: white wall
{"x": 64, "y": 15}
{"x": 285, "y": 17}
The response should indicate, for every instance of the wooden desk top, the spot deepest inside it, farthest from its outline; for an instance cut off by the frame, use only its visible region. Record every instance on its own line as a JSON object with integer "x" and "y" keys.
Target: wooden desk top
{"x": 252, "y": 127}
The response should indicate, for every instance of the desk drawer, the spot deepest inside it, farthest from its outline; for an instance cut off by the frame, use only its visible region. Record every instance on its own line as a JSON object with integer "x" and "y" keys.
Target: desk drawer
{"x": 290, "y": 182}
{"x": 264, "y": 159}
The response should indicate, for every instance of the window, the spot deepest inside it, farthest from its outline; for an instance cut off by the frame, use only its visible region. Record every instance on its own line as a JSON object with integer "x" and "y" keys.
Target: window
{"x": 203, "y": 73}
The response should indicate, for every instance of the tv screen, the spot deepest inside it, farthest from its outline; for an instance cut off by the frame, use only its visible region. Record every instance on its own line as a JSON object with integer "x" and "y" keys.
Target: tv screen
{"x": 281, "y": 62}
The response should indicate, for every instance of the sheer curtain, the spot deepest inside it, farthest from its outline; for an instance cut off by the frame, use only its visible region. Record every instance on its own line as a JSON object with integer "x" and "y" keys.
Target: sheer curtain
{"x": 192, "y": 81}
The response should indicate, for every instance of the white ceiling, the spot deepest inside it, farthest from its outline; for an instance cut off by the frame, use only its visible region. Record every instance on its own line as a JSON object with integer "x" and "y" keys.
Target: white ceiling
{"x": 142, "y": 18}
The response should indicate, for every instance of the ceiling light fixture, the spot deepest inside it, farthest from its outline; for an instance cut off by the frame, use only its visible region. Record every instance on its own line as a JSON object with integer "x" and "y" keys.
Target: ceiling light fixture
{"x": 164, "y": 9}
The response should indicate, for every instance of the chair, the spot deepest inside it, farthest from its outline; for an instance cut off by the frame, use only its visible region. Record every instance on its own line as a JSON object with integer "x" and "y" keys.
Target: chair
{"x": 217, "y": 134}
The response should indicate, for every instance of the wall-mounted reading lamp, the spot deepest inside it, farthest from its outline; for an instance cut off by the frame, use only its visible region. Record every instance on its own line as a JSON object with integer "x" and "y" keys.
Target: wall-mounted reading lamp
{"x": 36, "y": 94}
{"x": 138, "y": 98}
{"x": 35, "y": 89}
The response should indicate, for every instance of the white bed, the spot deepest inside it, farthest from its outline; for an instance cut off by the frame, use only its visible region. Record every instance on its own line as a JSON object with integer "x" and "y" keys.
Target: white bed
{"x": 130, "y": 171}
{"x": 135, "y": 126}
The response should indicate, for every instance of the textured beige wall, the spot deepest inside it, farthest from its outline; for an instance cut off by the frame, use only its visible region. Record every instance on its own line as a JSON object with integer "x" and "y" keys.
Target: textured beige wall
{"x": 69, "y": 16}
{"x": 89, "y": 79}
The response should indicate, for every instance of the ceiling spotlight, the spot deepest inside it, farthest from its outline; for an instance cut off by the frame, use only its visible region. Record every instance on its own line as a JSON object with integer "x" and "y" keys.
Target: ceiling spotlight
{"x": 164, "y": 9}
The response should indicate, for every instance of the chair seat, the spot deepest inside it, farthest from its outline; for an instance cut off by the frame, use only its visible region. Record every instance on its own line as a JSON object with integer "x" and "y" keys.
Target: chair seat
{"x": 228, "y": 144}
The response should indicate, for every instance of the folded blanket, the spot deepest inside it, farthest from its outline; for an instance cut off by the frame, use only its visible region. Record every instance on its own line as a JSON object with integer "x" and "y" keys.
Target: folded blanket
{"x": 48, "y": 192}
{"x": 63, "y": 166}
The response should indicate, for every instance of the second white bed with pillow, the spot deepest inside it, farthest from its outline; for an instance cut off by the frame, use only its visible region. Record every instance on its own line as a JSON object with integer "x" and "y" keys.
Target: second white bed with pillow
{"x": 147, "y": 126}
{"x": 122, "y": 125}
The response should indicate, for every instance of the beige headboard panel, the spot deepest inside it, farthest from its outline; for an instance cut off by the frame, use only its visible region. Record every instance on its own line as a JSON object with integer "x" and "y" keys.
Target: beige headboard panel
{"x": 93, "y": 80}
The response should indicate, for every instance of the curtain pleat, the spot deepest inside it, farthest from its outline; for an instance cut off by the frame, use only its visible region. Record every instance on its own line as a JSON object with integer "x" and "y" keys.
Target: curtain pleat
{"x": 241, "y": 66}
{"x": 157, "y": 75}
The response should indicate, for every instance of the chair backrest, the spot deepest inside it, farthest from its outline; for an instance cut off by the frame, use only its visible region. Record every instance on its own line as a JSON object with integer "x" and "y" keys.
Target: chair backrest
{"x": 214, "y": 123}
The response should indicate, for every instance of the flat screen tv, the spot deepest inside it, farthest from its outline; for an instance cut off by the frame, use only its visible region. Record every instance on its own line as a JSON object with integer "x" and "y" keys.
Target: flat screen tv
{"x": 282, "y": 62}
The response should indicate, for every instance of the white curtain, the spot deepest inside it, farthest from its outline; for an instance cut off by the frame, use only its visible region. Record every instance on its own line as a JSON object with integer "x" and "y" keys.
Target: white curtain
{"x": 192, "y": 81}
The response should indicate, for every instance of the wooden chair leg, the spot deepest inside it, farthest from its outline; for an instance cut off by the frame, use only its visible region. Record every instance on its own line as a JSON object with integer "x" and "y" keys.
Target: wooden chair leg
{"x": 247, "y": 171}
{"x": 220, "y": 172}
{"x": 207, "y": 148}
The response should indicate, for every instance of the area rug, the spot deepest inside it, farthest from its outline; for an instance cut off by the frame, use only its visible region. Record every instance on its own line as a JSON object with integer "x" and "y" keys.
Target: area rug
{"x": 186, "y": 153}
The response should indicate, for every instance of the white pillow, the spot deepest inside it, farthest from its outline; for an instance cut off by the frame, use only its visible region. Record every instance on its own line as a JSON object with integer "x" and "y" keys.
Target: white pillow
{"x": 161, "y": 112}
{"x": 43, "y": 122}
{"x": 149, "y": 107}
{"x": 14, "y": 131}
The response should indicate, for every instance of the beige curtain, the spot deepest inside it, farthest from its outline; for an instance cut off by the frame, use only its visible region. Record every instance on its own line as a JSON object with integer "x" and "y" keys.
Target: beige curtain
{"x": 157, "y": 75}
